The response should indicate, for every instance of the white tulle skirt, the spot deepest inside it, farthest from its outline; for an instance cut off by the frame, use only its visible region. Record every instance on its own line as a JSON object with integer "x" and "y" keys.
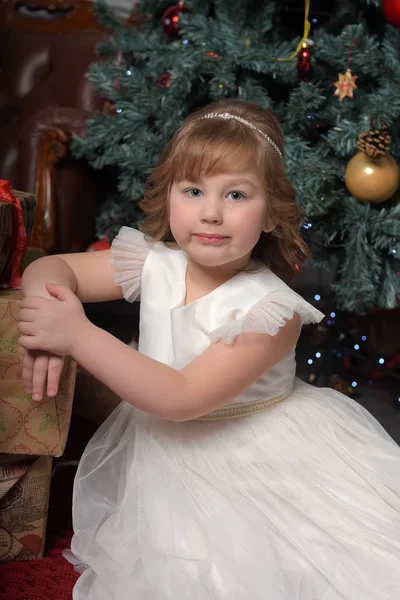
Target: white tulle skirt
{"x": 300, "y": 502}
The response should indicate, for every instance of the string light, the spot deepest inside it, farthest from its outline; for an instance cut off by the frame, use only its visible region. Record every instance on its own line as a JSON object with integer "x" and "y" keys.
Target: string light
{"x": 339, "y": 355}
{"x": 307, "y": 225}
{"x": 118, "y": 110}
{"x": 128, "y": 73}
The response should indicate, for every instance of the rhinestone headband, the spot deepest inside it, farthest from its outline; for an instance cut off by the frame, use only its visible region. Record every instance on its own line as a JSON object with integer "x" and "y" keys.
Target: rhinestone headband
{"x": 228, "y": 116}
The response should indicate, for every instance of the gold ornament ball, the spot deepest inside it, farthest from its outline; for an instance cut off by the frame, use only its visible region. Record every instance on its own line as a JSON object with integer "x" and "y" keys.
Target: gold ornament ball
{"x": 372, "y": 179}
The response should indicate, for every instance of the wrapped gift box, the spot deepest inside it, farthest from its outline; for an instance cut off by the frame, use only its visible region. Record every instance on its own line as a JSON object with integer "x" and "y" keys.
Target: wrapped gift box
{"x": 28, "y": 427}
{"x": 7, "y": 230}
{"x": 24, "y": 498}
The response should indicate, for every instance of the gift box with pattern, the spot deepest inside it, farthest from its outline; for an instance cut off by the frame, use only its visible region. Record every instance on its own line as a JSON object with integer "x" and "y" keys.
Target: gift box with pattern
{"x": 26, "y": 426}
{"x": 24, "y": 498}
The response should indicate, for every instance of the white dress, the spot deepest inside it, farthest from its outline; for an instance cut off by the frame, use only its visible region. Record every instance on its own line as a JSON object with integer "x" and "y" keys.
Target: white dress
{"x": 298, "y": 502}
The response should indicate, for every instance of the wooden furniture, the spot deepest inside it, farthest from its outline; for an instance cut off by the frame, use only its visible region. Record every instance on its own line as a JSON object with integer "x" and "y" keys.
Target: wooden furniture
{"x": 46, "y": 47}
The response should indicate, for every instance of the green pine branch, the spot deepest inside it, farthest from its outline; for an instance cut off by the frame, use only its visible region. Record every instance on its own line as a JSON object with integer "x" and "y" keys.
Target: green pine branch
{"x": 230, "y": 48}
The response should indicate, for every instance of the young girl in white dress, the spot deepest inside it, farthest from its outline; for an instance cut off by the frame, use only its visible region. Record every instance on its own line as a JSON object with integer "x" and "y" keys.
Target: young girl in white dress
{"x": 220, "y": 476}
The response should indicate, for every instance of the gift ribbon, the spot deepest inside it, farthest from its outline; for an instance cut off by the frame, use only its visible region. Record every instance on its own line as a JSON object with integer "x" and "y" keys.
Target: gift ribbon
{"x": 7, "y": 195}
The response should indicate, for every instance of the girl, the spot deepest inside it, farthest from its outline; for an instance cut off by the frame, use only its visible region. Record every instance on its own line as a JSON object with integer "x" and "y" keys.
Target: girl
{"x": 221, "y": 476}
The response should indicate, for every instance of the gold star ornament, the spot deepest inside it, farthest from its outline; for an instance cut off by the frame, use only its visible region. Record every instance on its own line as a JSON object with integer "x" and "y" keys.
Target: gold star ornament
{"x": 346, "y": 85}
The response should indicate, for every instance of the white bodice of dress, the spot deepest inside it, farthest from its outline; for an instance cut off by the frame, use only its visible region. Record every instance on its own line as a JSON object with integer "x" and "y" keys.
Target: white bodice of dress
{"x": 176, "y": 334}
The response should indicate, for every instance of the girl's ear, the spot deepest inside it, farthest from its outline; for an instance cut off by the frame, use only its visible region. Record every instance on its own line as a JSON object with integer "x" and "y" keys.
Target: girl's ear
{"x": 271, "y": 225}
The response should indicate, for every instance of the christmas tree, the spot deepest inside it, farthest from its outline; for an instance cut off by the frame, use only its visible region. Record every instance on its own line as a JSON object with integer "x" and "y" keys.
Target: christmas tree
{"x": 330, "y": 72}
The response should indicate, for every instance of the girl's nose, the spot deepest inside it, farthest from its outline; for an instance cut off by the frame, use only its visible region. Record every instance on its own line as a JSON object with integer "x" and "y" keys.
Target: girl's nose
{"x": 211, "y": 211}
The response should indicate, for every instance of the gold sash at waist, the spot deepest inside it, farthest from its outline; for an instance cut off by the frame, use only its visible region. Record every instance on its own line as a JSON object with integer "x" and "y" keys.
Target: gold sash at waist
{"x": 233, "y": 411}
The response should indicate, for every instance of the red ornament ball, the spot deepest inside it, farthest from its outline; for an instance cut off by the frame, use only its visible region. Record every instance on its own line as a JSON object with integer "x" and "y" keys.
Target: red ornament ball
{"x": 164, "y": 80}
{"x": 391, "y": 10}
{"x": 171, "y": 17}
{"x": 103, "y": 244}
{"x": 213, "y": 55}
{"x": 304, "y": 63}
{"x": 304, "y": 60}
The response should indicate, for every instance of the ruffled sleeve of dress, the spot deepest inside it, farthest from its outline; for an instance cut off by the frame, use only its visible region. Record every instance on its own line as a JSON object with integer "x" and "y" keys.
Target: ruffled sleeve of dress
{"x": 129, "y": 251}
{"x": 268, "y": 315}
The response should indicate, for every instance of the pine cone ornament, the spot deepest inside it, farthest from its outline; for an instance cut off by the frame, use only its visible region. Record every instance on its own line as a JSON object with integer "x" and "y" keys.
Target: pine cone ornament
{"x": 375, "y": 142}
{"x": 372, "y": 175}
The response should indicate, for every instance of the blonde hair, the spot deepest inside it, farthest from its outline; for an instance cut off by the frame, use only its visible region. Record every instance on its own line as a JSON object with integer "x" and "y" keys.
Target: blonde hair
{"x": 210, "y": 146}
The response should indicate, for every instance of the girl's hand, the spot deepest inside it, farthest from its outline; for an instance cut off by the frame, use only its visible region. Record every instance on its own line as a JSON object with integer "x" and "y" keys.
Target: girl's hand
{"x": 52, "y": 326}
{"x": 37, "y": 367}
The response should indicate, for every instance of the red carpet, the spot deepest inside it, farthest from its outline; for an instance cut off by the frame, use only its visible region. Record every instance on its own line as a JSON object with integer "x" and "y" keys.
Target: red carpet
{"x": 52, "y": 577}
{"x": 46, "y": 579}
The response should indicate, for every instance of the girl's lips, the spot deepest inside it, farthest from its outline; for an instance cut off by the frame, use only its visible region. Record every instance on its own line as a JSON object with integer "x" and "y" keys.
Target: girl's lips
{"x": 210, "y": 238}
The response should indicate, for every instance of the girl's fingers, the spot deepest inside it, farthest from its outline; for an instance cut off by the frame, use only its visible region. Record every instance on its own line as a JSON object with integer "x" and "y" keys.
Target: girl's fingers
{"x": 32, "y": 302}
{"x": 27, "y": 314}
{"x": 39, "y": 376}
{"x": 28, "y": 363}
{"x": 55, "y": 368}
{"x": 26, "y": 328}
{"x": 28, "y": 342}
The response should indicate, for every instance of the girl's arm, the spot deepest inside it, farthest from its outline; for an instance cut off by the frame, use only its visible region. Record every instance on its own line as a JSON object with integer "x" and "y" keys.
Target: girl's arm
{"x": 220, "y": 374}
{"x": 89, "y": 275}
{"x": 212, "y": 380}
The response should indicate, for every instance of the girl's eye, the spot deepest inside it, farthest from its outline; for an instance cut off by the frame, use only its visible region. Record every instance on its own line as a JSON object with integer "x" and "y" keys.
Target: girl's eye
{"x": 194, "y": 193}
{"x": 236, "y": 195}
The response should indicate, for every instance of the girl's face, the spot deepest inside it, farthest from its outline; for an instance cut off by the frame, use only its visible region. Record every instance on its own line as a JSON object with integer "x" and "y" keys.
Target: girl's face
{"x": 218, "y": 219}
